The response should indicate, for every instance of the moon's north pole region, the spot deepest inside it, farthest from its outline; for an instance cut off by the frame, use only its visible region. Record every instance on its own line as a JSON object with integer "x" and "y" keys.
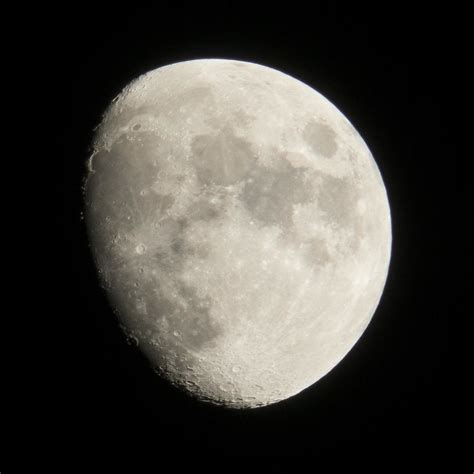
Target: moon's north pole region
{"x": 240, "y": 227}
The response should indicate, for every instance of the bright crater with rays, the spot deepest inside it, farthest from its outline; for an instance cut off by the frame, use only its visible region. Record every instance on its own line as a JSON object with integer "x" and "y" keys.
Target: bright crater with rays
{"x": 240, "y": 227}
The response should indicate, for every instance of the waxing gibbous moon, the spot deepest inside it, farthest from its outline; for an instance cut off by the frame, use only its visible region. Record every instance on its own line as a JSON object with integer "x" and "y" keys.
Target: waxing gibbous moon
{"x": 240, "y": 227}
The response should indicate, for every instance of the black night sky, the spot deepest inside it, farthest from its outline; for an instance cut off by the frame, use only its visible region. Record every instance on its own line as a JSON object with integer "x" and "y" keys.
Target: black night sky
{"x": 390, "y": 71}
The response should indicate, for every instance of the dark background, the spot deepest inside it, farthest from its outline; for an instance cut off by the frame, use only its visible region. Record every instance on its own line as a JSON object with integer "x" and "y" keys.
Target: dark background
{"x": 393, "y": 72}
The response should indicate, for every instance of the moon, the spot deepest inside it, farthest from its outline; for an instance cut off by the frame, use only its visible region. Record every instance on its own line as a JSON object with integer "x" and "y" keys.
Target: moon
{"x": 240, "y": 227}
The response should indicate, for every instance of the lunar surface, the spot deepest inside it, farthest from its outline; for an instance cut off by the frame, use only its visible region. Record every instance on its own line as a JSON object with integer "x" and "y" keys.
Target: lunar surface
{"x": 240, "y": 227}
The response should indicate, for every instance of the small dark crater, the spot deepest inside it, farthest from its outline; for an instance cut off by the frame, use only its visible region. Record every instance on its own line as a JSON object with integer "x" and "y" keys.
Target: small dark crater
{"x": 136, "y": 127}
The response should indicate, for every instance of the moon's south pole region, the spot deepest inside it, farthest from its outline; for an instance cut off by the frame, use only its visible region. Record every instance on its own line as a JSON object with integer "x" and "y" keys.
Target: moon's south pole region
{"x": 240, "y": 227}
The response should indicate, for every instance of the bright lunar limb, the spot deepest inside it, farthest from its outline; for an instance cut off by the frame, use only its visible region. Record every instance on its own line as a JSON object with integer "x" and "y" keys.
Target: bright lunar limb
{"x": 240, "y": 226}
